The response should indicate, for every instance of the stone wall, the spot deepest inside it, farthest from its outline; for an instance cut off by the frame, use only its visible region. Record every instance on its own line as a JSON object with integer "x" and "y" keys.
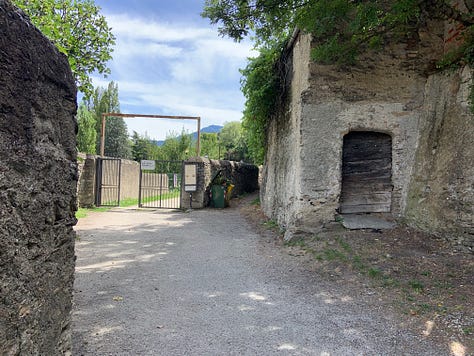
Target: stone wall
{"x": 244, "y": 177}
{"x": 395, "y": 92}
{"x": 38, "y": 176}
{"x": 441, "y": 195}
{"x": 281, "y": 175}
{"x": 86, "y": 183}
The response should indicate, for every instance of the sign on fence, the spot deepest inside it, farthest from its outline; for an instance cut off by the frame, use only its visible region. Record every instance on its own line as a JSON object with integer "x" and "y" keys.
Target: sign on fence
{"x": 147, "y": 165}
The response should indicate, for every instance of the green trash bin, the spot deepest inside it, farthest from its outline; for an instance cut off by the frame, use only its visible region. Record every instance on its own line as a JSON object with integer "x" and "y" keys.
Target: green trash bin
{"x": 217, "y": 192}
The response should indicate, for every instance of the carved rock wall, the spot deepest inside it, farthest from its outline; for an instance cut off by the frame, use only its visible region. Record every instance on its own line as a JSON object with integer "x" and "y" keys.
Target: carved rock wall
{"x": 38, "y": 176}
{"x": 396, "y": 92}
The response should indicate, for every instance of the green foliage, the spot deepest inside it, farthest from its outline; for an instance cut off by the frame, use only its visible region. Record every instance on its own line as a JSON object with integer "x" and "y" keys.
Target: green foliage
{"x": 178, "y": 147}
{"x": 106, "y": 100}
{"x": 266, "y": 19}
{"x": 117, "y": 143}
{"x": 210, "y": 145}
{"x": 271, "y": 224}
{"x": 416, "y": 285}
{"x": 78, "y": 30}
{"x": 83, "y": 212}
{"x": 232, "y": 141}
{"x": 256, "y": 201}
{"x": 261, "y": 87}
{"x": 86, "y": 134}
{"x": 172, "y": 194}
{"x": 374, "y": 272}
{"x": 141, "y": 147}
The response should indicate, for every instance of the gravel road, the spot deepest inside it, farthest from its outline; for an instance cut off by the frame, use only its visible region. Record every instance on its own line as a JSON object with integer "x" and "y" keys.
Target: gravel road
{"x": 203, "y": 283}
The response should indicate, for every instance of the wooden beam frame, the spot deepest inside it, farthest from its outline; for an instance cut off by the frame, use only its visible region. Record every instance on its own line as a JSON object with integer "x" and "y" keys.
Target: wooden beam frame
{"x": 113, "y": 114}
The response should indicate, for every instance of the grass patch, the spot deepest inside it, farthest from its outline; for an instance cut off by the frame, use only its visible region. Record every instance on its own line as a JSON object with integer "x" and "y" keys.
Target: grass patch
{"x": 292, "y": 243}
{"x": 468, "y": 330}
{"x": 271, "y": 224}
{"x": 358, "y": 264}
{"x": 374, "y": 272}
{"x": 134, "y": 201}
{"x": 332, "y": 254}
{"x": 345, "y": 246}
{"x": 390, "y": 282}
{"x": 416, "y": 285}
{"x": 82, "y": 212}
{"x": 256, "y": 201}
{"x": 126, "y": 202}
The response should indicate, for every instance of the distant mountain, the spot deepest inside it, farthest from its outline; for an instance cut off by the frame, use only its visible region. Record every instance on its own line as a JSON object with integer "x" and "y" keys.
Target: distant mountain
{"x": 207, "y": 129}
{"x": 211, "y": 129}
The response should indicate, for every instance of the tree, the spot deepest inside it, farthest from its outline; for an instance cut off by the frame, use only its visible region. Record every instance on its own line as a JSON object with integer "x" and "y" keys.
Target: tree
{"x": 142, "y": 147}
{"x": 116, "y": 134}
{"x": 117, "y": 143}
{"x": 210, "y": 145}
{"x": 231, "y": 138}
{"x": 78, "y": 30}
{"x": 176, "y": 147}
{"x": 86, "y": 135}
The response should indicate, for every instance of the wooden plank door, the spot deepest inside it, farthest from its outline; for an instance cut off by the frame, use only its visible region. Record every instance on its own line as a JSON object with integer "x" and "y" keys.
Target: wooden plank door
{"x": 366, "y": 173}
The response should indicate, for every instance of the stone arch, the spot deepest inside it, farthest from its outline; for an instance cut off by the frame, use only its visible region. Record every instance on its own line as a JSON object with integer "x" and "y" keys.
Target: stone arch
{"x": 366, "y": 182}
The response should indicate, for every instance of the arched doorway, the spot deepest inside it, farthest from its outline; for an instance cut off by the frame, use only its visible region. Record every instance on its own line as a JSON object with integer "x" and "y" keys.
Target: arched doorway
{"x": 366, "y": 173}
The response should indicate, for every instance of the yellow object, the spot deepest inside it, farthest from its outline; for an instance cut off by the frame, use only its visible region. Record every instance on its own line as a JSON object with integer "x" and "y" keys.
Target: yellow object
{"x": 228, "y": 194}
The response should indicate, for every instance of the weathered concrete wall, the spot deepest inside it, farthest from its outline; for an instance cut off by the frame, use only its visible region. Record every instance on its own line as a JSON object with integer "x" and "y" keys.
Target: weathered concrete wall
{"x": 393, "y": 92}
{"x": 244, "y": 177}
{"x": 281, "y": 188}
{"x": 441, "y": 196}
{"x": 38, "y": 176}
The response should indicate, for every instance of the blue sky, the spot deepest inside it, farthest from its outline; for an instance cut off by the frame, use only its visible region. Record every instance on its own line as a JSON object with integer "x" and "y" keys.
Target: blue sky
{"x": 170, "y": 61}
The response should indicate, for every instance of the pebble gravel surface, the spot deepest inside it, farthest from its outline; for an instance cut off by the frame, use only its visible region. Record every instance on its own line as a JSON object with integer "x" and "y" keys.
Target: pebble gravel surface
{"x": 152, "y": 282}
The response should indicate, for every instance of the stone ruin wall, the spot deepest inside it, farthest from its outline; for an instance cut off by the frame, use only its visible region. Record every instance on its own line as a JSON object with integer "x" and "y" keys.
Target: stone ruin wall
{"x": 393, "y": 92}
{"x": 244, "y": 176}
{"x": 38, "y": 176}
{"x": 281, "y": 176}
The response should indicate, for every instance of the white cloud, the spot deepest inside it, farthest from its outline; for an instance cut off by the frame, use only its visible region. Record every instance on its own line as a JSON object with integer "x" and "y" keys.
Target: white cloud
{"x": 174, "y": 69}
{"x": 127, "y": 48}
{"x": 128, "y": 27}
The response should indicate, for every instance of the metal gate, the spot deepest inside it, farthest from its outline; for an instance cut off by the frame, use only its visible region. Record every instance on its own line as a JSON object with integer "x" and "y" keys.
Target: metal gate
{"x": 160, "y": 185}
{"x": 108, "y": 182}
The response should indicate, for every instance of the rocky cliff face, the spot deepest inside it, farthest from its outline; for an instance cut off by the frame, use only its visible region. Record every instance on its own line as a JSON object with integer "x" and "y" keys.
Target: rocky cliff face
{"x": 441, "y": 195}
{"x": 38, "y": 177}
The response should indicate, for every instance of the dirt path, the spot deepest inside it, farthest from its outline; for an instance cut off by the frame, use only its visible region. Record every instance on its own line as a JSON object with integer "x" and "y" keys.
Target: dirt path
{"x": 204, "y": 283}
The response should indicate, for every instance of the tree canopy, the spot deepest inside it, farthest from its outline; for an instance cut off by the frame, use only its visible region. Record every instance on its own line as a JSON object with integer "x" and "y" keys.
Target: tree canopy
{"x": 341, "y": 30}
{"x": 86, "y": 134}
{"x": 106, "y": 100}
{"x": 78, "y": 30}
